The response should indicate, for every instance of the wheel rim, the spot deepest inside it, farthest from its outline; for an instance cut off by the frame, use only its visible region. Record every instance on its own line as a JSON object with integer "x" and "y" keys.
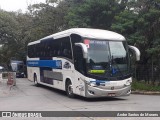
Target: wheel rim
{"x": 70, "y": 89}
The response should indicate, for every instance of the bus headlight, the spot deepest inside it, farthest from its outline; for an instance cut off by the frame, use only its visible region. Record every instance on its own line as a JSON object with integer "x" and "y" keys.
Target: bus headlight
{"x": 128, "y": 82}
{"x": 93, "y": 84}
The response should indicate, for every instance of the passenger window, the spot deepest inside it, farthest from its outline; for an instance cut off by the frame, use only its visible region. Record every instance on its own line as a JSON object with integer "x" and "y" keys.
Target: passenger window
{"x": 65, "y": 47}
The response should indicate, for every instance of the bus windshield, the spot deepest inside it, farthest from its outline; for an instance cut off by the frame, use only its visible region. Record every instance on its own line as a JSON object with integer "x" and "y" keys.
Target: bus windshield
{"x": 107, "y": 59}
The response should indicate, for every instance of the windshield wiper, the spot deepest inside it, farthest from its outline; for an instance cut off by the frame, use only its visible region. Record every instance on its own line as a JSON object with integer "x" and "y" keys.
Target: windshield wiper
{"x": 108, "y": 69}
{"x": 113, "y": 62}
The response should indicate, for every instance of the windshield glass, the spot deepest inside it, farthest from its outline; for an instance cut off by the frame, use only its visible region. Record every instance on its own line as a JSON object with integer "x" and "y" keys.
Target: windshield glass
{"x": 107, "y": 59}
{"x": 20, "y": 67}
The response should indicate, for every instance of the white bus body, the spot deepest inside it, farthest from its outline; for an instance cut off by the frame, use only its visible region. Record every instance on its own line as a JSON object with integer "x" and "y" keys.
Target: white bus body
{"x": 82, "y": 61}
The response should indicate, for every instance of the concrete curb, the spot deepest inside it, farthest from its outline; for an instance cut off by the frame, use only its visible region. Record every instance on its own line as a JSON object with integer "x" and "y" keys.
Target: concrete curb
{"x": 146, "y": 92}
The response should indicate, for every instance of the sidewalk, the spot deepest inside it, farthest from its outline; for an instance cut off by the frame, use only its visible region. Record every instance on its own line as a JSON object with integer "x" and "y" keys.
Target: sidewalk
{"x": 146, "y": 92}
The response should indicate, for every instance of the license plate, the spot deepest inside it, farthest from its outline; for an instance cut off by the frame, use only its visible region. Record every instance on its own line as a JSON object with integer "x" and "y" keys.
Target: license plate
{"x": 111, "y": 94}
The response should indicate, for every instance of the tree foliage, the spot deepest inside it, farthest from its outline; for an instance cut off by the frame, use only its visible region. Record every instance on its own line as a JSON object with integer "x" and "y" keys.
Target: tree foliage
{"x": 94, "y": 13}
{"x": 137, "y": 20}
{"x": 140, "y": 25}
{"x": 8, "y": 35}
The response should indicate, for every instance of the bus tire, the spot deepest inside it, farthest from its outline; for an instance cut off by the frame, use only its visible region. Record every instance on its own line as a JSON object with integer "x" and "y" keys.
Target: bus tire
{"x": 69, "y": 89}
{"x": 35, "y": 80}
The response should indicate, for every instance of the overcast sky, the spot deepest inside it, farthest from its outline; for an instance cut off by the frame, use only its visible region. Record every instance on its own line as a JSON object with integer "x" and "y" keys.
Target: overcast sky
{"x": 14, "y": 5}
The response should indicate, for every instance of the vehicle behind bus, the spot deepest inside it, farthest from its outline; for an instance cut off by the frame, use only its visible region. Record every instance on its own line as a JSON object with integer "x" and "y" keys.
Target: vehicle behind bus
{"x": 18, "y": 67}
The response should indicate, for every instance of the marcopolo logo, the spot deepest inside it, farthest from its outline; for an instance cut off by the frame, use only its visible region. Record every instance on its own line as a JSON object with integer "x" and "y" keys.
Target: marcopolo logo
{"x": 67, "y": 65}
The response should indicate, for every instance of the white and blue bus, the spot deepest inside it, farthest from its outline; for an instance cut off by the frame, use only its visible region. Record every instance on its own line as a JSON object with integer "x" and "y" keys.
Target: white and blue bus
{"x": 82, "y": 61}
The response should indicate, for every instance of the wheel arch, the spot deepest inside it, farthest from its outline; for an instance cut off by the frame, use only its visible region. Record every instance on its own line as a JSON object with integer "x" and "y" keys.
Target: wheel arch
{"x": 69, "y": 90}
{"x": 34, "y": 74}
{"x": 66, "y": 80}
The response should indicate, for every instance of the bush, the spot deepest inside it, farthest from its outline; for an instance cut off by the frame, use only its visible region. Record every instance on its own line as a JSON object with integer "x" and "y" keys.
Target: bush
{"x": 136, "y": 85}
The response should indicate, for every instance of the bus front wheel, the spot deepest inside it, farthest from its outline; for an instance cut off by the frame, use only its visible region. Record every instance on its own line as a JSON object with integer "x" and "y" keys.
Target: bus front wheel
{"x": 69, "y": 89}
{"x": 35, "y": 80}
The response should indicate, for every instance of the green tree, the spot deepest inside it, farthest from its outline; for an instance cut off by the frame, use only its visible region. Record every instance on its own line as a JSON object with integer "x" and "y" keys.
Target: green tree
{"x": 8, "y": 36}
{"x": 94, "y": 13}
{"x": 139, "y": 22}
{"x": 48, "y": 18}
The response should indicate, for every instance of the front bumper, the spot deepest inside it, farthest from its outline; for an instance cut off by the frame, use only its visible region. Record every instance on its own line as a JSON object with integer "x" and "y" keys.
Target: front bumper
{"x": 92, "y": 92}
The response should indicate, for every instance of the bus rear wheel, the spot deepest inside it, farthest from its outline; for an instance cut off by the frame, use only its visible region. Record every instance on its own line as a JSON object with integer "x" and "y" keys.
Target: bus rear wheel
{"x": 35, "y": 81}
{"x": 69, "y": 89}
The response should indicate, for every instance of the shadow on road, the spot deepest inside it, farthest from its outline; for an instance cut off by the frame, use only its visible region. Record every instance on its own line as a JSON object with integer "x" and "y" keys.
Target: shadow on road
{"x": 63, "y": 93}
{"x": 104, "y": 99}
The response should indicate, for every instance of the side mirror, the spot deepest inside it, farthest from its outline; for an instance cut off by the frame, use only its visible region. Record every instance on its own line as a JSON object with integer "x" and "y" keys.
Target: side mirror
{"x": 136, "y": 51}
{"x": 84, "y": 49}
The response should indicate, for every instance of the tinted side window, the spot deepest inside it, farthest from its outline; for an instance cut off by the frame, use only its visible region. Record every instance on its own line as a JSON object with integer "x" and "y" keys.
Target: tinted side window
{"x": 44, "y": 48}
{"x": 66, "y": 47}
{"x": 79, "y": 61}
{"x": 75, "y": 39}
{"x": 31, "y": 51}
{"x": 63, "y": 46}
{"x": 51, "y": 48}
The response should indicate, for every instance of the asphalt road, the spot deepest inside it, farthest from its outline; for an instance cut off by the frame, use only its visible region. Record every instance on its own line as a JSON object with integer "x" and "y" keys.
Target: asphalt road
{"x": 26, "y": 97}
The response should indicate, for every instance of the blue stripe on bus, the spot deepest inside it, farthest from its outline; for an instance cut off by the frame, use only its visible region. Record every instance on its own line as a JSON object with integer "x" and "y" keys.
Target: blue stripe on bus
{"x": 57, "y": 64}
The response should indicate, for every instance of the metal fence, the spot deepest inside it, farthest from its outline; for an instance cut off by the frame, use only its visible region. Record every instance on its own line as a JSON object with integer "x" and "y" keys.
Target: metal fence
{"x": 147, "y": 73}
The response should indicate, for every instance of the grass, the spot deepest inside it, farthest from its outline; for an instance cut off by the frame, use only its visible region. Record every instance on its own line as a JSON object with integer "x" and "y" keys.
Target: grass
{"x": 136, "y": 85}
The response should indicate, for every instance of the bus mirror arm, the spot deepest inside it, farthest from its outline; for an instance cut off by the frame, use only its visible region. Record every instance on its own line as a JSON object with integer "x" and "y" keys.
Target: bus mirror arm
{"x": 136, "y": 51}
{"x": 84, "y": 49}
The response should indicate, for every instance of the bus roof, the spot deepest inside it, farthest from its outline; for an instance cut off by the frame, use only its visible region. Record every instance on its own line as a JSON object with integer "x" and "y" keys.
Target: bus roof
{"x": 86, "y": 32}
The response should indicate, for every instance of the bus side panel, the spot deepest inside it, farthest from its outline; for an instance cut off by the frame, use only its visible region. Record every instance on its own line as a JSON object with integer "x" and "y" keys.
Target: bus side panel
{"x": 79, "y": 85}
{"x": 68, "y": 74}
{"x": 57, "y": 83}
{"x": 66, "y": 71}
